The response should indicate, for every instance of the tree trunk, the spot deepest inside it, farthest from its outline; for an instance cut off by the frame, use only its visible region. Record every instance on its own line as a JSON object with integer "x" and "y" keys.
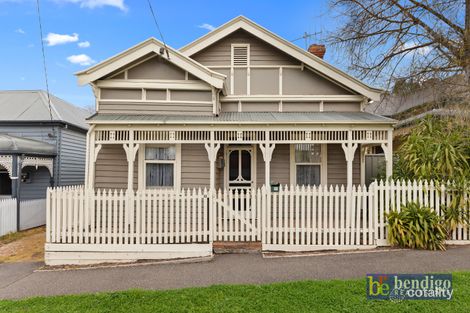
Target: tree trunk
{"x": 466, "y": 44}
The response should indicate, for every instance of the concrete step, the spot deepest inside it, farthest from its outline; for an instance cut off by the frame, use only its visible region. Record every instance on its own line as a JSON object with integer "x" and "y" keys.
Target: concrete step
{"x": 221, "y": 247}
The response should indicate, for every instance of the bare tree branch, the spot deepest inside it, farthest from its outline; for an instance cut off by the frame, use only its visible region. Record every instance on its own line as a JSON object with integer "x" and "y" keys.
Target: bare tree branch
{"x": 404, "y": 38}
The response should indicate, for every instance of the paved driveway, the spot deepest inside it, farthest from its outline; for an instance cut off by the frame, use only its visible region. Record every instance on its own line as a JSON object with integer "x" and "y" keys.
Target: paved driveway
{"x": 20, "y": 280}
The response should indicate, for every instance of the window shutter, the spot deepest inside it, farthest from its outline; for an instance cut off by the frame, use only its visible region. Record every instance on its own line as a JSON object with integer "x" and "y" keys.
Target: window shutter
{"x": 240, "y": 55}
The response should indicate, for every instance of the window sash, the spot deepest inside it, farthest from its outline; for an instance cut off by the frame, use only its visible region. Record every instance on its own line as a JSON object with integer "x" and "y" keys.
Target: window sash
{"x": 308, "y": 153}
{"x": 163, "y": 158}
{"x": 160, "y": 153}
{"x": 164, "y": 175}
{"x": 302, "y": 161}
{"x": 308, "y": 174}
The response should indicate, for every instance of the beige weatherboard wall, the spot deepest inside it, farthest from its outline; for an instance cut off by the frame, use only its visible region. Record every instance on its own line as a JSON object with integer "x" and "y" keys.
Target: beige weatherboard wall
{"x": 240, "y": 85}
{"x": 269, "y": 80}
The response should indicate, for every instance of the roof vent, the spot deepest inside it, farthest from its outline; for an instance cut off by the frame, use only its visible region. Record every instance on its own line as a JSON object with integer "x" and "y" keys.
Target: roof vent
{"x": 240, "y": 55}
{"x": 318, "y": 50}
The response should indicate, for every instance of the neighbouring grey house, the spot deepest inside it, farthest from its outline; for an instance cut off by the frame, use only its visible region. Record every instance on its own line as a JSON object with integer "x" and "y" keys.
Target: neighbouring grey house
{"x": 40, "y": 146}
{"x": 436, "y": 97}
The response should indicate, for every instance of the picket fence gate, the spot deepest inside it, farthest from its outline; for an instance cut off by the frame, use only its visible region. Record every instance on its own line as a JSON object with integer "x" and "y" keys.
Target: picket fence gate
{"x": 293, "y": 219}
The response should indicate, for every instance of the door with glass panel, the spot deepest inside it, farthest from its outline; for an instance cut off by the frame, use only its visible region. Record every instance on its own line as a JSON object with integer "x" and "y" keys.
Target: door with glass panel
{"x": 241, "y": 167}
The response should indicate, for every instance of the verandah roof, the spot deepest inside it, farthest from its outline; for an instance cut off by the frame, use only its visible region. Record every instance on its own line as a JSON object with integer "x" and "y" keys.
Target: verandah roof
{"x": 248, "y": 118}
{"x": 17, "y": 145}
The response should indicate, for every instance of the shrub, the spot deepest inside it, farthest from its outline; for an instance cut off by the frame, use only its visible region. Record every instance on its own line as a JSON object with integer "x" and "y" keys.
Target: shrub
{"x": 437, "y": 149}
{"x": 416, "y": 227}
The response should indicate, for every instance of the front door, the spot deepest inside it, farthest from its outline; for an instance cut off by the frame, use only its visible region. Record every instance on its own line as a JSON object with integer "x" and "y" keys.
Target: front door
{"x": 240, "y": 168}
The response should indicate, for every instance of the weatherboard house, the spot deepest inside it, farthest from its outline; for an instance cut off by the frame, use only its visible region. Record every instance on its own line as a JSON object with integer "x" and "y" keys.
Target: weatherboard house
{"x": 41, "y": 145}
{"x": 237, "y": 112}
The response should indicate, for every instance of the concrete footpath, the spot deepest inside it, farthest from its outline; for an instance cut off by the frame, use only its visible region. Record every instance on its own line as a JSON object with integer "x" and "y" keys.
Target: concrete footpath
{"x": 20, "y": 280}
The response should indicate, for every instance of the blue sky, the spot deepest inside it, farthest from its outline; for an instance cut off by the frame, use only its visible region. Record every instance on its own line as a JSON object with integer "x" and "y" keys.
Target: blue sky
{"x": 81, "y": 32}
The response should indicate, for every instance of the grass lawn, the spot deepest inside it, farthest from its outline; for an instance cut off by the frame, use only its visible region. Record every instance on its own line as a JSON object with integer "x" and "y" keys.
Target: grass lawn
{"x": 305, "y": 296}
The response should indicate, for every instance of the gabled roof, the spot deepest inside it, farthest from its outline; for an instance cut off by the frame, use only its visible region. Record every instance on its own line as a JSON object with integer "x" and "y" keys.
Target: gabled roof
{"x": 306, "y": 57}
{"x": 142, "y": 49}
{"x": 32, "y": 106}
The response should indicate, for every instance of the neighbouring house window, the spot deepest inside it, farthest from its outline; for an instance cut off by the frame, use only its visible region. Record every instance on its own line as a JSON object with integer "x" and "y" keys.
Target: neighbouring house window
{"x": 160, "y": 165}
{"x": 308, "y": 164}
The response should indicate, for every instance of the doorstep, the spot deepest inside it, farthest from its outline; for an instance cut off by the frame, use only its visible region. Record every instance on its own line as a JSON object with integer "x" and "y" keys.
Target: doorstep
{"x": 221, "y": 247}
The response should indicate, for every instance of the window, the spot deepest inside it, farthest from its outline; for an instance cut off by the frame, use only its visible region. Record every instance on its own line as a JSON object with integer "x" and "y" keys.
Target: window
{"x": 160, "y": 165}
{"x": 308, "y": 159}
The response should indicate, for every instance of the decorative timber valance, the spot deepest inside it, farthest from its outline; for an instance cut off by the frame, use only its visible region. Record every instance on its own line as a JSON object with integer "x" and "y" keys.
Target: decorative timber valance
{"x": 37, "y": 162}
{"x": 6, "y": 161}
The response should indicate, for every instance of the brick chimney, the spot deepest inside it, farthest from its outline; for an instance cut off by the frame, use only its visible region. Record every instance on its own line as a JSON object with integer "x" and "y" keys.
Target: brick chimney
{"x": 318, "y": 50}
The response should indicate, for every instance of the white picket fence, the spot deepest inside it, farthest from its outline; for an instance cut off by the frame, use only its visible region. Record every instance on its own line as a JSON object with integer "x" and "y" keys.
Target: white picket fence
{"x": 394, "y": 194}
{"x": 7, "y": 216}
{"x": 77, "y": 215}
{"x": 293, "y": 219}
{"x": 32, "y": 214}
{"x": 308, "y": 218}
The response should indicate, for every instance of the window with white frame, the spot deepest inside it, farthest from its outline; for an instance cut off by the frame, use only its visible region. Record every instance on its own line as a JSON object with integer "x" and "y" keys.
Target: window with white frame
{"x": 308, "y": 163}
{"x": 160, "y": 166}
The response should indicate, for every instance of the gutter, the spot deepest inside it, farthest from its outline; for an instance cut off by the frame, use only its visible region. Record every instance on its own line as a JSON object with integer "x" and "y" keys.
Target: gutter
{"x": 45, "y": 123}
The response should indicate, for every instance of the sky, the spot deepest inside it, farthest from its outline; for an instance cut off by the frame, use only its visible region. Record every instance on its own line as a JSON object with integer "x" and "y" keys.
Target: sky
{"x": 80, "y": 33}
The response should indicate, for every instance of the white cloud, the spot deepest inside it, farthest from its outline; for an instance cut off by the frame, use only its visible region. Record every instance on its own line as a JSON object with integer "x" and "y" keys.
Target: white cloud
{"x": 92, "y": 4}
{"x": 209, "y": 27}
{"x": 421, "y": 51}
{"x": 82, "y": 59}
{"x": 53, "y": 39}
{"x": 84, "y": 44}
{"x": 20, "y": 31}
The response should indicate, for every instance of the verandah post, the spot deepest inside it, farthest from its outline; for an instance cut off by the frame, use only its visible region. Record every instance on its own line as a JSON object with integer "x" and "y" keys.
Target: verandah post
{"x": 349, "y": 149}
{"x": 388, "y": 153}
{"x": 212, "y": 148}
{"x": 131, "y": 152}
{"x": 267, "y": 150}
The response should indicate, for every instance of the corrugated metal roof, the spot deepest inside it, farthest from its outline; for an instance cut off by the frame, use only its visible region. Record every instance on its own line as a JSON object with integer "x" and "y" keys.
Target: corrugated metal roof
{"x": 250, "y": 118}
{"x": 18, "y": 145}
{"x": 32, "y": 105}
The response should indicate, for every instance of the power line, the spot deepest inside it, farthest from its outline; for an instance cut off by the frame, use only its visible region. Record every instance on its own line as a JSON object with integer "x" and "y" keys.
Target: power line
{"x": 158, "y": 28}
{"x": 44, "y": 62}
{"x": 306, "y": 36}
